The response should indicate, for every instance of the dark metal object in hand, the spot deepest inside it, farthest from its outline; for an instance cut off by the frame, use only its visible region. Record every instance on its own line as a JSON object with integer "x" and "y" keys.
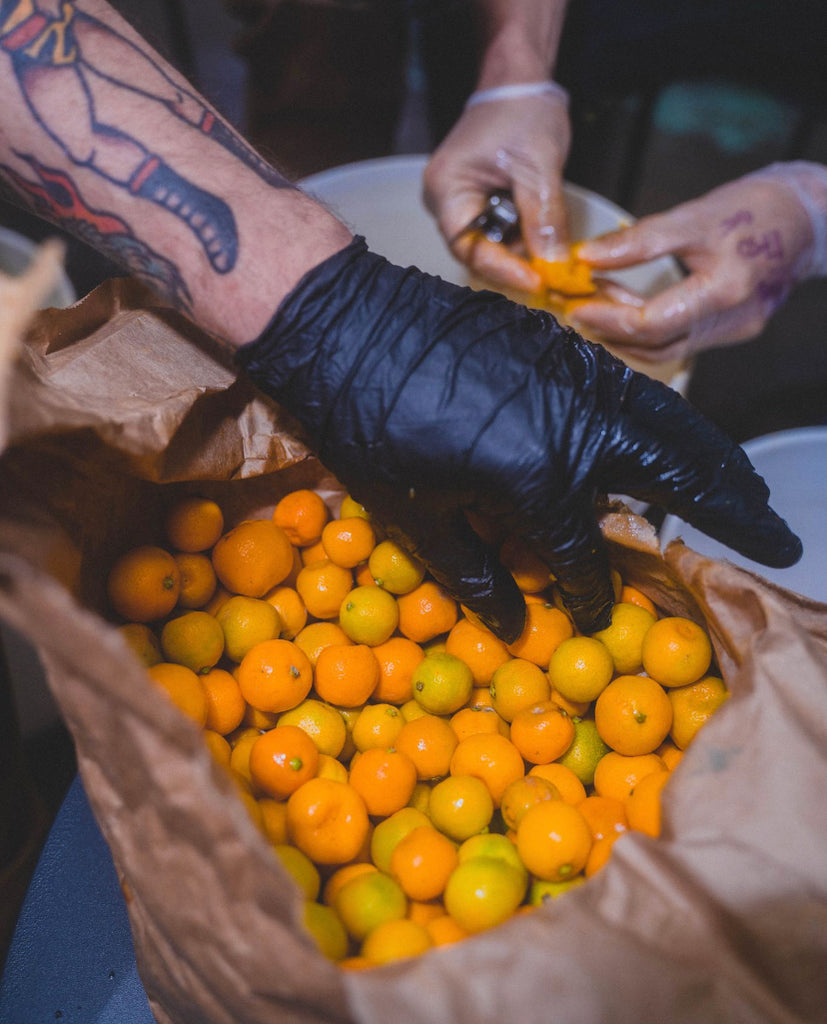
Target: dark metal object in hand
{"x": 499, "y": 221}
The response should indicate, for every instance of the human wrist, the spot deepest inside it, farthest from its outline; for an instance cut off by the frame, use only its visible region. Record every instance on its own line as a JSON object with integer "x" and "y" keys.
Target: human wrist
{"x": 808, "y": 183}
{"x": 286, "y": 236}
{"x": 523, "y": 37}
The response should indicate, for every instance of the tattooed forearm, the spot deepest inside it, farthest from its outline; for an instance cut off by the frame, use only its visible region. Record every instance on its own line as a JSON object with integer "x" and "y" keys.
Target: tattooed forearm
{"x": 60, "y": 54}
{"x": 99, "y": 134}
{"x": 53, "y": 195}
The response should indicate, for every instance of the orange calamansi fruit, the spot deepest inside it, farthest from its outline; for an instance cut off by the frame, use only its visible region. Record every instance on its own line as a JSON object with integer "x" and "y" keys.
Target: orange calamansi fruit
{"x": 585, "y": 752}
{"x": 389, "y": 831}
{"x": 198, "y": 580}
{"x": 327, "y": 930}
{"x": 218, "y": 747}
{"x": 631, "y": 595}
{"x": 444, "y": 930}
{"x": 616, "y": 775}
{"x": 442, "y": 683}
{"x": 523, "y": 793}
{"x": 580, "y": 668}
{"x": 395, "y": 940}
{"x": 554, "y": 840}
{"x": 468, "y": 721}
{"x": 422, "y": 862}
{"x": 341, "y": 875}
{"x": 571, "y": 789}
{"x": 225, "y": 705}
{"x": 348, "y": 542}
{"x": 516, "y": 685}
{"x": 302, "y": 514}
{"x": 194, "y": 524}
{"x": 322, "y": 723}
{"x": 346, "y": 674}
{"x": 676, "y": 651}
{"x": 397, "y": 657}
{"x": 460, "y": 806}
{"x": 351, "y": 507}
{"x": 546, "y": 627}
{"x": 369, "y": 615}
{"x": 394, "y": 569}
{"x": 477, "y": 646}
{"x": 606, "y": 816}
{"x": 377, "y": 725}
{"x": 183, "y": 687}
{"x": 142, "y": 641}
{"x": 253, "y": 557}
{"x": 367, "y": 900}
{"x": 426, "y": 612}
{"x": 542, "y": 732}
{"x": 624, "y": 636}
{"x": 193, "y": 639}
{"x": 245, "y": 622}
{"x": 385, "y": 780}
{"x": 273, "y": 819}
{"x": 291, "y": 610}
{"x": 327, "y": 820}
{"x": 482, "y": 892}
{"x": 301, "y": 869}
{"x": 143, "y": 584}
{"x": 633, "y": 715}
{"x": 315, "y": 636}
{"x": 429, "y": 741}
{"x": 693, "y": 706}
{"x": 282, "y": 759}
{"x": 275, "y": 675}
{"x": 490, "y": 757}
{"x": 643, "y": 805}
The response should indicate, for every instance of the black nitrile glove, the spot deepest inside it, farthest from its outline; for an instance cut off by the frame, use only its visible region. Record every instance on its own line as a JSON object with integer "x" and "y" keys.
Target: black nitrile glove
{"x": 426, "y": 399}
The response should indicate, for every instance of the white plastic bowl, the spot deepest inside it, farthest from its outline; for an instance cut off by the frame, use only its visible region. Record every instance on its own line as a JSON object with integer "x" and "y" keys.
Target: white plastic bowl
{"x": 794, "y": 465}
{"x": 382, "y": 200}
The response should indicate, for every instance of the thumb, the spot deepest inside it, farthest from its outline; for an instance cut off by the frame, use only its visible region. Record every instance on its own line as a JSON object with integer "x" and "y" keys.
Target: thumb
{"x": 544, "y": 221}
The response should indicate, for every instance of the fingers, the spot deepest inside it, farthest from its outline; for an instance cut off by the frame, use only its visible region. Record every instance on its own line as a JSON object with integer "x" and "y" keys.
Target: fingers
{"x": 573, "y": 549}
{"x": 662, "y": 451}
{"x": 496, "y": 264}
{"x": 697, "y": 313}
{"x": 659, "y": 234}
{"x": 458, "y": 559}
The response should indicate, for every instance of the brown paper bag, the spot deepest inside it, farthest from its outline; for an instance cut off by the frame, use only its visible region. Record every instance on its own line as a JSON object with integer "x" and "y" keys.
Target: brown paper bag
{"x": 117, "y": 402}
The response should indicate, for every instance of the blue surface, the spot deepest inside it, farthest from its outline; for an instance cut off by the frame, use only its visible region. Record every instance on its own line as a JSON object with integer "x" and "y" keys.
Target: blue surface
{"x": 72, "y": 960}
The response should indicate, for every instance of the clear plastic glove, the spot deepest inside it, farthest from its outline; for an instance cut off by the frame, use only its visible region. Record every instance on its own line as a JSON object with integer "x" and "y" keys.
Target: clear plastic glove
{"x": 745, "y": 245}
{"x": 429, "y": 401}
{"x": 514, "y": 138}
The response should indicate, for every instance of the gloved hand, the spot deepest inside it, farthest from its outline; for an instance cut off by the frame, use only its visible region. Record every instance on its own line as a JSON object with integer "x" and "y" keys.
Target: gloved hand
{"x": 427, "y": 399}
{"x": 512, "y": 138}
{"x": 745, "y": 244}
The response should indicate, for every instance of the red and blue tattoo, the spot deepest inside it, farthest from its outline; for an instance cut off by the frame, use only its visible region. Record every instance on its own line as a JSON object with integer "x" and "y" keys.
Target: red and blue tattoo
{"x": 59, "y": 51}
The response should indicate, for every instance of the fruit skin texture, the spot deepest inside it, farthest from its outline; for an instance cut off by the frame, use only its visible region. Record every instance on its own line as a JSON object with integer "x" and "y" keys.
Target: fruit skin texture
{"x": 275, "y": 676}
{"x": 253, "y": 557}
{"x": 483, "y": 892}
{"x": 143, "y": 584}
{"x": 633, "y": 715}
{"x": 693, "y": 706}
{"x": 194, "y": 524}
{"x": 676, "y": 651}
{"x": 327, "y": 820}
{"x": 554, "y": 840}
